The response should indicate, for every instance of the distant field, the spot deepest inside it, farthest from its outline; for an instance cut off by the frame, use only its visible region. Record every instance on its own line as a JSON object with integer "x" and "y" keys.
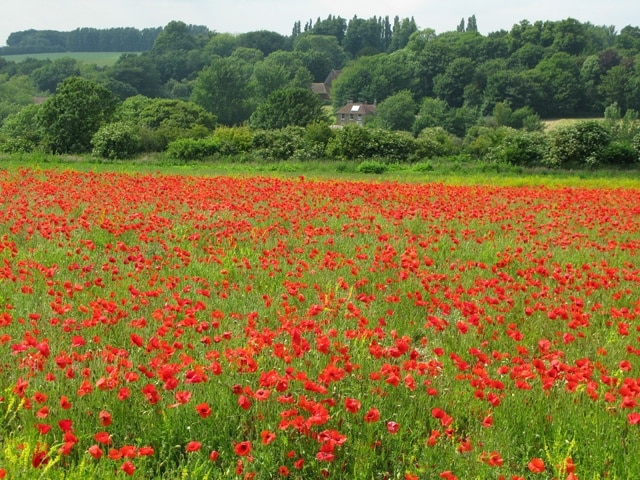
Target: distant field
{"x": 561, "y": 122}
{"x": 101, "y": 59}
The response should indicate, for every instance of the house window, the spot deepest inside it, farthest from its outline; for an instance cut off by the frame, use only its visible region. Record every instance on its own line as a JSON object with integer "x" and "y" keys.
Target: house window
{"x": 342, "y": 116}
{"x": 351, "y": 116}
{"x": 359, "y": 118}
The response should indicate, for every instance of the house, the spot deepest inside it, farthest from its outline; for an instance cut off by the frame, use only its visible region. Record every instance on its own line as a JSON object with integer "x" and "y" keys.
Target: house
{"x": 354, "y": 113}
{"x": 323, "y": 90}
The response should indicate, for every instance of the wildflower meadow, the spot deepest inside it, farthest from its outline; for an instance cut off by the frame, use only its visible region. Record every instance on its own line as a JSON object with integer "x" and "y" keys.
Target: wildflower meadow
{"x": 174, "y": 326}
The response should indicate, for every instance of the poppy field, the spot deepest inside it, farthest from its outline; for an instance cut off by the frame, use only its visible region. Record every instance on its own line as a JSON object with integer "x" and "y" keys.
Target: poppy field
{"x": 158, "y": 326}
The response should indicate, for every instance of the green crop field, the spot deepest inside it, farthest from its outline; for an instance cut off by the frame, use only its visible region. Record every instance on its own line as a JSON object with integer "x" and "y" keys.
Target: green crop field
{"x": 101, "y": 59}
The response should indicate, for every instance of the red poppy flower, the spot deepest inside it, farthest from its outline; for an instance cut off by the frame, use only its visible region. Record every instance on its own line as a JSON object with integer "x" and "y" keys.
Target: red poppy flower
{"x": 393, "y": 427}
{"x": 40, "y": 458}
{"x": 95, "y": 451}
{"x": 103, "y": 438}
{"x": 351, "y": 405}
{"x": 65, "y": 424}
{"x": 128, "y": 467}
{"x": 43, "y": 428}
{"x": 193, "y": 446}
{"x": 203, "y": 410}
{"x": 267, "y": 437}
{"x": 244, "y": 402}
{"x": 373, "y": 415}
{"x": 105, "y": 418}
{"x": 43, "y": 412}
{"x": 243, "y": 449}
{"x": 128, "y": 451}
{"x": 145, "y": 451}
{"x": 114, "y": 454}
{"x": 536, "y": 465}
{"x": 262, "y": 394}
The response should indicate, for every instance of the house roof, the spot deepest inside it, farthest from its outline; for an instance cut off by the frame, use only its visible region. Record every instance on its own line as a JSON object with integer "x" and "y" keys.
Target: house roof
{"x": 319, "y": 88}
{"x": 359, "y": 108}
{"x": 333, "y": 74}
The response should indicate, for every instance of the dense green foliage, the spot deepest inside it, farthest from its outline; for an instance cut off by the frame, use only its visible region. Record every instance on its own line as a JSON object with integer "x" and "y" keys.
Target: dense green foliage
{"x": 117, "y": 140}
{"x": 71, "y": 117}
{"x": 454, "y": 93}
{"x": 285, "y": 107}
{"x": 81, "y": 40}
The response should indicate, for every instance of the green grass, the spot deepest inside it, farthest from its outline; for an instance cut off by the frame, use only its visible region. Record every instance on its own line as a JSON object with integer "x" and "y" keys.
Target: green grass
{"x": 449, "y": 171}
{"x": 552, "y": 124}
{"x": 101, "y": 59}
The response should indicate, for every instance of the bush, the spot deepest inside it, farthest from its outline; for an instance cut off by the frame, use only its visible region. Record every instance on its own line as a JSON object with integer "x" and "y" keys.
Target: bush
{"x": 233, "y": 140}
{"x": 520, "y": 148}
{"x": 581, "y": 144}
{"x": 151, "y": 140}
{"x": 480, "y": 140}
{"x": 372, "y": 166}
{"x": 635, "y": 143}
{"x": 316, "y": 138}
{"x": 187, "y": 149}
{"x": 281, "y": 144}
{"x": 353, "y": 142}
{"x": 162, "y": 121}
{"x": 396, "y": 145}
{"x": 24, "y": 125}
{"x": 620, "y": 154}
{"x": 422, "y": 167}
{"x": 350, "y": 143}
{"x": 16, "y": 145}
{"x": 435, "y": 142}
{"x": 117, "y": 140}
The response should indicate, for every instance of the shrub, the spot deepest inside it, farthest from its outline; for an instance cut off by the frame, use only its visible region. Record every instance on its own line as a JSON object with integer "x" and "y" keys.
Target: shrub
{"x": 353, "y": 142}
{"x": 622, "y": 129}
{"x": 316, "y": 138}
{"x": 520, "y": 148}
{"x": 527, "y": 119}
{"x": 24, "y": 124}
{"x": 350, "y": 143}
{"x": 372, "y": 166}
{"x": 619, "y": 153}
{"x": 151, "y": 140}
{"x": 161, "y": 121}
{"x": 577, "y": 145}
{"x": 480, "y": 140}
{"x": 396, "y": 145}
{"x": 117, "y": 140}
{"x": 435, "y": 142}
{"x": 281, "y": 144}
{"x": 186, "y": 149}
{"x": 233, "y": 140}
{"x": 16, "y": 145}
{"x": 635, "y": 143}
{"x": 422, "y": 167}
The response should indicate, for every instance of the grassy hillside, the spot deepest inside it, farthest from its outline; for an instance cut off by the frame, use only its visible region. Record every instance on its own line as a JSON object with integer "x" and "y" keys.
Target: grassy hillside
{"x": 552, "y": 124}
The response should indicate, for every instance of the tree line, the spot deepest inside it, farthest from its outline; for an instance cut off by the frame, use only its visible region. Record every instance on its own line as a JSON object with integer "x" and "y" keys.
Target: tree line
{"x": 459, "y": 80}
{"x": 125, "y": 39}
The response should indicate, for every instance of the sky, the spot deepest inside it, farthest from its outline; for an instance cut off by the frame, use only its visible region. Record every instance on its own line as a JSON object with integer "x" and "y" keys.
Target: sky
{"x": 238, "y": 16}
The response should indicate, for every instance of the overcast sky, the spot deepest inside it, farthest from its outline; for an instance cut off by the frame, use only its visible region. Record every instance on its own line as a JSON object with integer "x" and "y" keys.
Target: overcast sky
{"x": 238, "y": 16}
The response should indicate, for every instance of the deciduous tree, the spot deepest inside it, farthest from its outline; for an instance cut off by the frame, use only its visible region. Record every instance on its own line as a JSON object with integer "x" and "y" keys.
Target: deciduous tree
{"x": 292, "y": 106}
{"x": 72, "y": 116}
